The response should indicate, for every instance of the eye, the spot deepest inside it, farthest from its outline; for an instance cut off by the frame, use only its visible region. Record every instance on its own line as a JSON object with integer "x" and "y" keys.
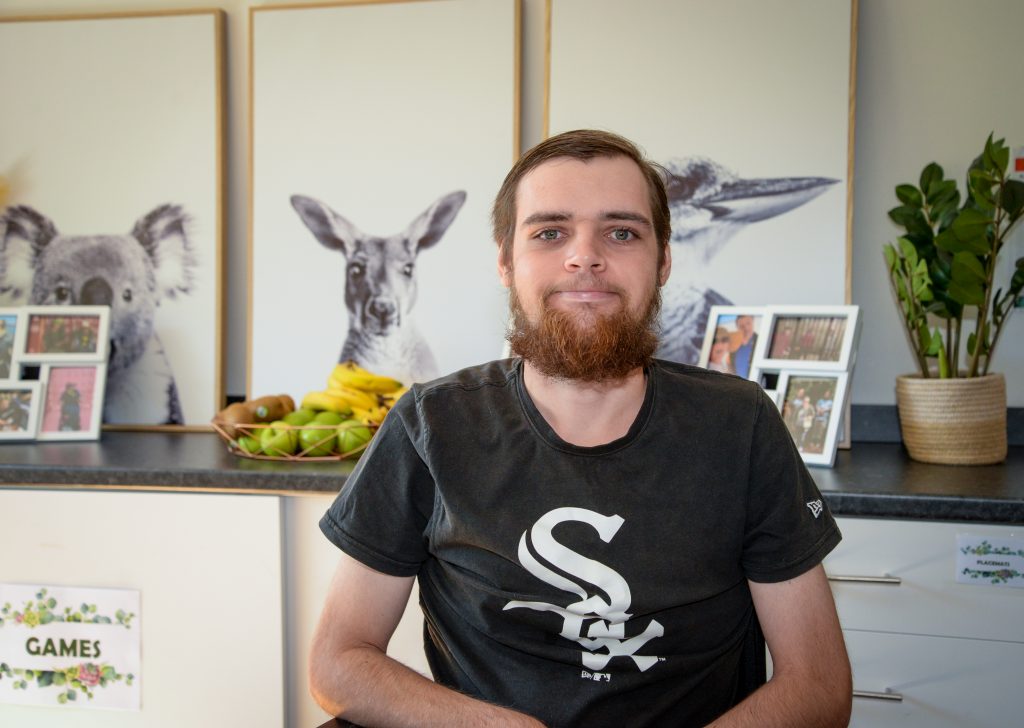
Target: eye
{"x": 407, "y": 269}
{"x": 623, "y": 235}
{"x": 356, "y": 270}
{"x": 549, "y": 234}
{"x": 63, "y": 293}
{"x": 127, "y": 295}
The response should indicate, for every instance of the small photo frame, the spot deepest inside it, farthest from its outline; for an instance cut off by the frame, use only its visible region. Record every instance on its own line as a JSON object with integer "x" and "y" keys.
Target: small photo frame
{"x": 812, "y": 405}
{"x": 72, "y": 407}
{"x": 59, "y": 334}
{"x": 731, "y": 338}
{"x": 821, "y": 338}
{"x": 19, "y": 410}
{"x": 11, "y": 322}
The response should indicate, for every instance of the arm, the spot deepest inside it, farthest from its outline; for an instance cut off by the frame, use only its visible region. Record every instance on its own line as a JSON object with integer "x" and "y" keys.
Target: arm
{"x": 350, "y": 674}
{"x": 811, "y": 683}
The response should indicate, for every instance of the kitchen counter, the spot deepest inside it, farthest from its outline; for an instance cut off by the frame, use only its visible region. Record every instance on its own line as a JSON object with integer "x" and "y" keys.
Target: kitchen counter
{"x": 877, "y": 480}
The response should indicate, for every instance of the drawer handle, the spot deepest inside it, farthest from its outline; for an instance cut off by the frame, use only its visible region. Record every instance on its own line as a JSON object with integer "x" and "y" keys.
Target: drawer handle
{"x": 893, "y": 580}
{"x": 887, "y": 695}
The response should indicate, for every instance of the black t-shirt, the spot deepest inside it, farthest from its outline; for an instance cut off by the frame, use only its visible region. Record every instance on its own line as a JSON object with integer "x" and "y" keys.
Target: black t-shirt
{"x": 587, "y": 586}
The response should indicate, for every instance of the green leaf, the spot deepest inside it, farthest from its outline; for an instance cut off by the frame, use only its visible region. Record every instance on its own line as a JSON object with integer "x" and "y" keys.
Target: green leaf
{"x": 943, "y": 361}
{"x": 931, "y": 174}
{"x": 972, "y": 341}
{"x": 45, "y": 679}
{"x": 908, "y": 251}
{"x": 890, "y": 256}
{"x": 967, "y": 294}
{"x": 909, "y": 195}
{"x": 1012, "y": 200}
{"x": 948, "y": 241}
{"x": 71, "y": 694}
{"x": 967, "y": 269}
{"x": 970, "y": 228}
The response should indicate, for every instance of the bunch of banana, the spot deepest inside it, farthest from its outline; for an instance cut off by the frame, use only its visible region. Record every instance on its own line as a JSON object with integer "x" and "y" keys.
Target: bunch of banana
{"x": 356, "y": 392}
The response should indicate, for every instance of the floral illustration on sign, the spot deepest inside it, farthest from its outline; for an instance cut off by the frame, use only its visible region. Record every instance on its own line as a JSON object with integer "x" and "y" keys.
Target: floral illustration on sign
{"x": 44, "y": 611}
{"x": 82, "y": 678}
{"x": 996, "y": 575}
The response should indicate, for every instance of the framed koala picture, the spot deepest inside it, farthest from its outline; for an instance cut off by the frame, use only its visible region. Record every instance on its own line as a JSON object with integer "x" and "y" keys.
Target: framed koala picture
{"x": 116, "y": 197}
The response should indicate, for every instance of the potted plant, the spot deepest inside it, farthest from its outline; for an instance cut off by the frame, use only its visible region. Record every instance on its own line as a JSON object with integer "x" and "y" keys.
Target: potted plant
{"x": 943, "y": 271}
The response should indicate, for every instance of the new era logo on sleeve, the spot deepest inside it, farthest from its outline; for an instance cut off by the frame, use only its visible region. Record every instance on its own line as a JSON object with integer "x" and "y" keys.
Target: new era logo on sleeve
{"x": 816, "y": 507}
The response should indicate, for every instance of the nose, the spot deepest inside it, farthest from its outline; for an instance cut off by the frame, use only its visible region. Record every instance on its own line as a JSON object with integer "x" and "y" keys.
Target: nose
{"x": 97, "y": 292}
{"x": 382, "y": 309}
{"x": 585, "y": 254}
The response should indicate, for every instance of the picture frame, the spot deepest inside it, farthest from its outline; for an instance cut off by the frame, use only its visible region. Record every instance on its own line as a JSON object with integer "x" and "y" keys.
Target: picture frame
{"x": 733, "y": 241}
{"x": 812, "y": 405}
{"x": 19, "y": 410}
{"x": 820, "y": 338}
{"x": 53, "y": 334}
{"x": 313, "y": 173}
{"x": 72, "y": 401}
{"x": 730, "y": 339}
{"x": 135, "y": 163}
{"x": 12, "y": 320}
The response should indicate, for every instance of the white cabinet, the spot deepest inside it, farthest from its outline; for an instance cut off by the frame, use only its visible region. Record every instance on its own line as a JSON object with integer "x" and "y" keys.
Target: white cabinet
{"x": 953, "y": 652}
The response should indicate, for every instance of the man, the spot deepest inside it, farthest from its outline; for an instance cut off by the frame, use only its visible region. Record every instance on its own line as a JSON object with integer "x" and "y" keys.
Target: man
{"x": 592, "y": 529}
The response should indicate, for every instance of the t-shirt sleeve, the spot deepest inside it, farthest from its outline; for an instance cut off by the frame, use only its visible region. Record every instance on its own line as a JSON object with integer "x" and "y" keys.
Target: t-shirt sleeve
{"x": 380, "y": 516}
{"x": 789, "y": 527}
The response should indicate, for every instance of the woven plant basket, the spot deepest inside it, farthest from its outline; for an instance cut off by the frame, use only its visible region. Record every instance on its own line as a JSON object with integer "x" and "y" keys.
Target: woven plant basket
{"x": 953, "y": 421}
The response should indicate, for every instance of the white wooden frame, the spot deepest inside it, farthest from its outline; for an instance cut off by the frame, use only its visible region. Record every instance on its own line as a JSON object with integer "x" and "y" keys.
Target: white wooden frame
{"x": 31, "y": 426}
{"x": 91, "y": 428}
{"x": 715, "y": 315}
{"x": 14, "y": 362}
{"x": 840, "y": 391}
{"x": 846, "y": 350}
{"x": 102, "y": 351}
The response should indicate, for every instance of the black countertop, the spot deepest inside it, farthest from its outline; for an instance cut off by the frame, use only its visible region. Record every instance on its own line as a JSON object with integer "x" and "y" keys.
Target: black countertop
{"x": 872, "y": 479}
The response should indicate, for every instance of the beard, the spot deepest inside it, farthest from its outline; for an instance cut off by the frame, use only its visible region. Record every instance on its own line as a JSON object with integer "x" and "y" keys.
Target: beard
{"x": 583, "y": 345}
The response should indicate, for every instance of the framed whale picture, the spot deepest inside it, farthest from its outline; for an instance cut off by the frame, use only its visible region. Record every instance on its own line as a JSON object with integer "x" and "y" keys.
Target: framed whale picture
{"x": 754, "y": 130}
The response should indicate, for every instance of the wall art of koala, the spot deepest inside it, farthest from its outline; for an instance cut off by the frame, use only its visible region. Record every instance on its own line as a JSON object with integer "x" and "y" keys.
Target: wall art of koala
{"x": 130, "y": 273}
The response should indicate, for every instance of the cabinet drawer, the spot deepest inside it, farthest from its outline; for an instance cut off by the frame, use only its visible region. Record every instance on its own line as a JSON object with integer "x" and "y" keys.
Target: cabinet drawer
{"x": 927, "y": 600}
{"x": 944, "y": 682}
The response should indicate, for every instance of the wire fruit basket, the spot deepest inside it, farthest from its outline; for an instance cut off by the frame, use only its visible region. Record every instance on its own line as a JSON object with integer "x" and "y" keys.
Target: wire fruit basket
{"x": 297, "y": 443}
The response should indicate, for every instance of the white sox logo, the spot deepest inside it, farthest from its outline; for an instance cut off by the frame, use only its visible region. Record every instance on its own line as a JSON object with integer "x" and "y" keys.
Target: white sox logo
{"x": 607, "y": 628}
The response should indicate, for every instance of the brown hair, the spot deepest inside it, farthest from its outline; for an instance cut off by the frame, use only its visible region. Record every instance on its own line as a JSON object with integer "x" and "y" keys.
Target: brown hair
{"x": 584, "y": 145}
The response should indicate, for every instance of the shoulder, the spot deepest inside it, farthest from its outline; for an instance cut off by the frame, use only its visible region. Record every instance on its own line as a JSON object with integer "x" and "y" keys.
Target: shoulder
{"x": 499, "y": 374}
{"x": 701, "y": 382}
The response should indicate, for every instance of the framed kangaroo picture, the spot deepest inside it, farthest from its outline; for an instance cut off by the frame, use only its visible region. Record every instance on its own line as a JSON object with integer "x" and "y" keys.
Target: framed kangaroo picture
{"x": 372, "y": 185}
{"x": 116, "y": 201}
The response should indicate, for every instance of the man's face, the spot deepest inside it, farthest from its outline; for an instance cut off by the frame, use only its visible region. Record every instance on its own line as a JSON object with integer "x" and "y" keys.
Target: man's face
{"x": 584, "y": 267}
{"x": 745, "y": 324}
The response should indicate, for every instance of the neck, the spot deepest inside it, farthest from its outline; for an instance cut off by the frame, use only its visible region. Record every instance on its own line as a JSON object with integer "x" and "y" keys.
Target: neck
{"x": 587, "y": 413}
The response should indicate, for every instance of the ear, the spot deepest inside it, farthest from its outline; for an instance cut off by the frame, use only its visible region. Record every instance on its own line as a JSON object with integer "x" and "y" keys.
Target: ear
{"x": 24, "y": 233}
{"x": 331, "y": 229}
{"x": 428, "y": 228}
{"x": 666, "y": 266}
{"x": 163, "y": 234}
{"x": 504, "y": 271}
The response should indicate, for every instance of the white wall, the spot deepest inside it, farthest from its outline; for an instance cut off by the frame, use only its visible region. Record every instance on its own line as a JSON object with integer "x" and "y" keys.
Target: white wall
{"x": 934, "y": 77}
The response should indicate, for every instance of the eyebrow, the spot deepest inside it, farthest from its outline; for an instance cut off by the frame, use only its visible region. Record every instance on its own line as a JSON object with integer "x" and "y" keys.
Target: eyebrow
{"x": 544, "y": 217}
